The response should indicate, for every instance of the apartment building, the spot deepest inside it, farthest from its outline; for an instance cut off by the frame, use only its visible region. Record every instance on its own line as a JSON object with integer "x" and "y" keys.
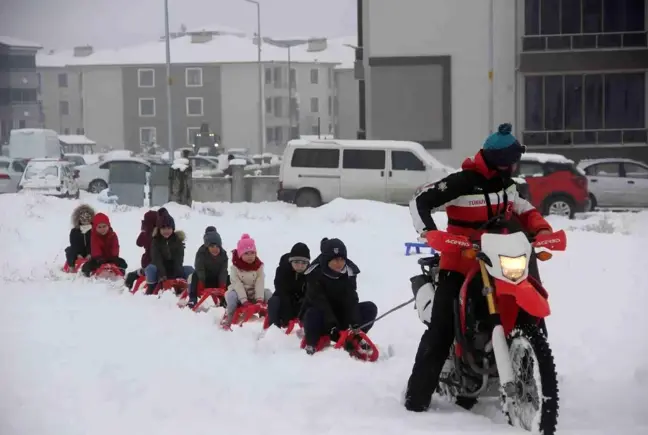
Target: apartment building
{"x": 571, "y": 75}
{"x": 19, "y": 86}
{"x": 118, "y": 97}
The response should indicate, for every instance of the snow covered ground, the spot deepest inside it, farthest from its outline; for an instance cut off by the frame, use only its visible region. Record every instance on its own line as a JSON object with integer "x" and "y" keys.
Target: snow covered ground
{"x": 81, "y": 358}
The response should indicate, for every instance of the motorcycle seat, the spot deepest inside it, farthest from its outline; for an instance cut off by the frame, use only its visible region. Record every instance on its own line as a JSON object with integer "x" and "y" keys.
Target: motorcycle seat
{"x": 432, "y": 261}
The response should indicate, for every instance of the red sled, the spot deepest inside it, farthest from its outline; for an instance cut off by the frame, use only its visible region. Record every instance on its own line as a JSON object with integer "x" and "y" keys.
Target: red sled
{"x": 177, "y": 285}
{"x": 138, "y": 282}
{"x": 356, "y": 343}
{"x": 108, "y": 271}
{"x": 77, "y": 266}
{"x": 203, "y": 295}
{"x": 244, "y": 314}
{"x": 289, "y": 329}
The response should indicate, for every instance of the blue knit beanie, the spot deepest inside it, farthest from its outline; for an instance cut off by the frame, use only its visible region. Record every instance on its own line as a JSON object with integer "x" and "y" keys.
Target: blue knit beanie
{"x": 500, "y": 140}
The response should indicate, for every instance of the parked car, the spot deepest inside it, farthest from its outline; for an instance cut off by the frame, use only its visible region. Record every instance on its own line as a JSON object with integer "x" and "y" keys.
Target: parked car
{"x": 50, "y": 177}
{"x": 616, "y": 183}
{"x": 75, "y": 159}
{"x": 555, "y": 186}
{"x": 10, "y": 172}
{"x": 94, "y": 177}
{"x": 315, "y": 171}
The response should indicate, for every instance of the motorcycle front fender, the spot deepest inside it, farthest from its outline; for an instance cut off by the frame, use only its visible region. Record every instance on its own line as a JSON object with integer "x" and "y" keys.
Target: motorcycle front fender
{"x": 526, "y": 296}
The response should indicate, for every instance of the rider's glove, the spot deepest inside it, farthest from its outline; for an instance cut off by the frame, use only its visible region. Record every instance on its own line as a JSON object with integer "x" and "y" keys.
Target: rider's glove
{"x": 334, "y": 334}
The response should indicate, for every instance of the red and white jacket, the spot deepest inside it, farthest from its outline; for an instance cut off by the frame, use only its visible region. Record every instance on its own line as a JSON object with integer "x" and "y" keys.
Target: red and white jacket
{"x": 472, "y": 196}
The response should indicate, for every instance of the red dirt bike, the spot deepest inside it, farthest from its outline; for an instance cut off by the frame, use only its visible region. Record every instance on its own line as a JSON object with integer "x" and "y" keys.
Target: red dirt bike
{"x": 500, "y": 338}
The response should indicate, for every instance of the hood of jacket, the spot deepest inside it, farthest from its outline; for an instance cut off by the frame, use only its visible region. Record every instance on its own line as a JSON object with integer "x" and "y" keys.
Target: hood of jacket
{"x": 180, "y": 235}
{"x": 149, "y": 220}
{"x": 478, "y": 164}
{"x": 76, "y": 213}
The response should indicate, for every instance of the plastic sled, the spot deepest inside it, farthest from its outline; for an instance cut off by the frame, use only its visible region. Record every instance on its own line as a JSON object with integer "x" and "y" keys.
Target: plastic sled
{"x": 137, "y": 284}
{"x": 203, "y": 295}
{"x": 77, "y": 266}
{"x": 356, "y": 343}
{"x": 108, "y": 271}
{"x": 289, "y": 329}
{"x": 245, "y": 314}
{"x": 177, "y": 285}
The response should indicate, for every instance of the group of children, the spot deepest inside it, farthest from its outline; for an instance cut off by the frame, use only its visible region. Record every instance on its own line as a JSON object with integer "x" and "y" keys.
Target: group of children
{"x": 322, "y": 294}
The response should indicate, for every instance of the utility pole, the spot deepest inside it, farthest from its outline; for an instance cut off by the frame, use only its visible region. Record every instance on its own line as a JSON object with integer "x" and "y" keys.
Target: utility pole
{"x": 167, "y": 37}
{"x": 491, "y": 65}
{"x": 262, "y": 141}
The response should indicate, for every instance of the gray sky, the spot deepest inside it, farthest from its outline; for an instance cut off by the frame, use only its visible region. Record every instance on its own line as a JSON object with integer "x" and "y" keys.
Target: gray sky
{"x": 114, "y": 23}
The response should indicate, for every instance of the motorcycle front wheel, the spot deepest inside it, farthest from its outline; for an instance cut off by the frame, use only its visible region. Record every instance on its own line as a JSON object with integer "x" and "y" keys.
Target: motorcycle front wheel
{"x": 534, "y": 406}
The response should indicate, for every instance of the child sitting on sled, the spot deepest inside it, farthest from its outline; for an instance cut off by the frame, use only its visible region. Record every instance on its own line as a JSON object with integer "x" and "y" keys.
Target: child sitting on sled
{"x": 290, "y": 286}
{"x": 247, "y": 279}
{"x": 80, "y": 233}
{"x": 331, "y": 304}
{"x": 167, "y": 254}
{"x": 144, "y": 241}
{"x": 210, "y": 266}
{"x": 104, "y": 246}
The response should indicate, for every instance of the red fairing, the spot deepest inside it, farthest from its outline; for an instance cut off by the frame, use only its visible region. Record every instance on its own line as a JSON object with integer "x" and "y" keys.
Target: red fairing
{"x": 525, "y": 296}
{"x": 554, "y": 242}
{"x": 103, "y": 246}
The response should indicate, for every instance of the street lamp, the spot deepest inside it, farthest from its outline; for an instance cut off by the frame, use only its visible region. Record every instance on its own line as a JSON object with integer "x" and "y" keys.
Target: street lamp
{"x": 167, "y": 38}
{"x": 262, "y": 141}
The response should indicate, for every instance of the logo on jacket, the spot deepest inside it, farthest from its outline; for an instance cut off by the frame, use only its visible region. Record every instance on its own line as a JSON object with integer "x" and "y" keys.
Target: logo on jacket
{"x": 442, "y": 186}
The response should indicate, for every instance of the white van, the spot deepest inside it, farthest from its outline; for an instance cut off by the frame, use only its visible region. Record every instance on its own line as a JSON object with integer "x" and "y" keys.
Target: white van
{"x": 34, "y": 143}
{"x": 314, "y": 172}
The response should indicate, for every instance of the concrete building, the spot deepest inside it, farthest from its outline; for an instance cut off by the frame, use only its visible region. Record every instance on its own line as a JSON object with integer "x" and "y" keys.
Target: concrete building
{"x": 19, "y": 86}
{"x": 118, "y": 97}
{"x": 569, "y": 74}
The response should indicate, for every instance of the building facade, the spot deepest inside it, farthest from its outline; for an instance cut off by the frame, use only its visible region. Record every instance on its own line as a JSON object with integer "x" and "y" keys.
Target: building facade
{"x": 569, "y": 74}
{"x": 19, "y": 86}
{"x": 124, "y": 105}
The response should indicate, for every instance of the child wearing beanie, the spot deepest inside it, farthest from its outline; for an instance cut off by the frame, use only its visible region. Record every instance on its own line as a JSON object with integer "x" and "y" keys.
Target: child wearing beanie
{"x": 247, "y": 279}
{"x": 210, "y": 265}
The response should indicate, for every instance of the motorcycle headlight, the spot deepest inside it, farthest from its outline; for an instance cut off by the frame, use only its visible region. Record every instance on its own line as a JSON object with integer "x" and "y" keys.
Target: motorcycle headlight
{"x": 513, "y": 267}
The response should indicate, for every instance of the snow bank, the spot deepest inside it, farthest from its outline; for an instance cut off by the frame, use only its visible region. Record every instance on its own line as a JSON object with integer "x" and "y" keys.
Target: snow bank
{"x": 81, "y": 358}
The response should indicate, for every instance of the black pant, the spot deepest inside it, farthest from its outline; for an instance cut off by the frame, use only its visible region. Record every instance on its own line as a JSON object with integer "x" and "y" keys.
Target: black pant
{"x": 315, "y": 326}
{"x": 131, "y": 277}
{"x": 210, "y": 282}
{"x": 282, "y": 311}
{"x": 94, "y": 263}
{"x": 71, "y": 256}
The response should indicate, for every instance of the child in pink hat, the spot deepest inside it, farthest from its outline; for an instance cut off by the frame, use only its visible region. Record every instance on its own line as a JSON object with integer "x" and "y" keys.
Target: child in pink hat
{"x": 247, "y": 278}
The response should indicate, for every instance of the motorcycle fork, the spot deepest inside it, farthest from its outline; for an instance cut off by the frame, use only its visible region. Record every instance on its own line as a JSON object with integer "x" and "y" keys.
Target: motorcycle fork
{"x": 498, "y": 339}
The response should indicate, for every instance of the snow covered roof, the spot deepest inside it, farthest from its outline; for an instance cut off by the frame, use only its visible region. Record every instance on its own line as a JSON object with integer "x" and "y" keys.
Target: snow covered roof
{"x": 76, "y": 139}
{"x": 19, "y": 43}
{"x": 546, "y": 158}
{"x": 223, "y": 48}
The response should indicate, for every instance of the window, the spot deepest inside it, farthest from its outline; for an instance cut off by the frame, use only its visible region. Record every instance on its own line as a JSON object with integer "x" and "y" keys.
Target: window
{"x": 594, "y": 24}
{"x": 278, "y": 106}
{"x": 269, "y": 134}
{"x": 582, "y": 109}
{"x": 194, "y": 77}
{"x": 530, "y": 169}
{"x": 294, "y": 133}
{"x": 406, "y": 161}
{"x": 314, "y": 76}
{"x": 330, "y": 106}
{"x": 191, "y": 135}
{"x": 314, "y": 105}
{"x": 22, "y": 124}
{"x": 315, "y": 158}
{"x": 194, "y": 106}
{"x": 278, "y": 134}
{"x": 64, "y": 107}
{"x": 66, "y": 130}
{"x": 268, "y": 105}
{"x": 315, "y": 130}
{"x": 4, "y": 164}
{"x": 293, "y": 78}
{"x": 147, "y": 135}
{"x": 17, "y": 166}
{"x": 63, "y": 80}
{"x": 277, "y": 77}
{"x": 268, "y": 76}
{"x": 147, "y": 107}
{"x": 603, "y": 170}
{"x": 363, "y": 159}
{"x": 146, "y": 78}
{"x": 294, "y": 108}
{"x": 635, "y": 171}
{"x": 23, "y": 95}
{"x": 80, "y": 131}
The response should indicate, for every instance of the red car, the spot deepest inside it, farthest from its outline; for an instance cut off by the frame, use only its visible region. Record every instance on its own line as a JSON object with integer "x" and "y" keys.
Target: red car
{"x": 554, "y": 184}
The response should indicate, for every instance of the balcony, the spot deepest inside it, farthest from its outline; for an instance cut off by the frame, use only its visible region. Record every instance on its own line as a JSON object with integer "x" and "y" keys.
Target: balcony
{"x": 581, "y": 42}
{"x": 586, "y": 138}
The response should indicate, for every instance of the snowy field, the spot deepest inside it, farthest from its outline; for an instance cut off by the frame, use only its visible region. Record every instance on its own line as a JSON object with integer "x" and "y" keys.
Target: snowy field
{"x": 81, "y": 358}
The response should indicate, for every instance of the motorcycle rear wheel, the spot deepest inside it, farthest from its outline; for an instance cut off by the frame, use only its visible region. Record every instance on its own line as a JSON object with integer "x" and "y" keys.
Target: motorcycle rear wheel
{"x": 535, "y": 406}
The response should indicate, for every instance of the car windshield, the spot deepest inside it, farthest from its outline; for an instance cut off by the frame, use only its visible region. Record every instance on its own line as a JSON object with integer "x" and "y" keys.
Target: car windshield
{"x": 41, "y": 170}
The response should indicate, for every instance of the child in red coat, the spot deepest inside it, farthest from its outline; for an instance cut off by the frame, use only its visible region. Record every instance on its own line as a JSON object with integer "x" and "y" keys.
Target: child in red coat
{"x": 143, "y": 241}
{"x": 104, "y": 246}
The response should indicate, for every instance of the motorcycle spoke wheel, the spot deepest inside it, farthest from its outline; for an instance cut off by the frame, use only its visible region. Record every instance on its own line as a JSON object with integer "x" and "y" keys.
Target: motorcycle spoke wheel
{"x": 534, "y": 406}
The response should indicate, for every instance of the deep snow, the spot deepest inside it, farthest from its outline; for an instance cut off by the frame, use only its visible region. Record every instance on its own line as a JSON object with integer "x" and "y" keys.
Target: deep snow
{"x": 81, "y": 358}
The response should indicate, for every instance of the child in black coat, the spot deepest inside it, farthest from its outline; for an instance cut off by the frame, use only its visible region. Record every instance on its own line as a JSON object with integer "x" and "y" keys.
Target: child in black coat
{"x": 80, "y": 235}
{"x": 210, "y": 266}
{"x": 290, "y": 286}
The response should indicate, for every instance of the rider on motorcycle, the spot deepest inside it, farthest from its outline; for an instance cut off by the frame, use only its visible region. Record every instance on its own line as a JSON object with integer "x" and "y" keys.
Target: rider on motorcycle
{"x": 482, "y": 190}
